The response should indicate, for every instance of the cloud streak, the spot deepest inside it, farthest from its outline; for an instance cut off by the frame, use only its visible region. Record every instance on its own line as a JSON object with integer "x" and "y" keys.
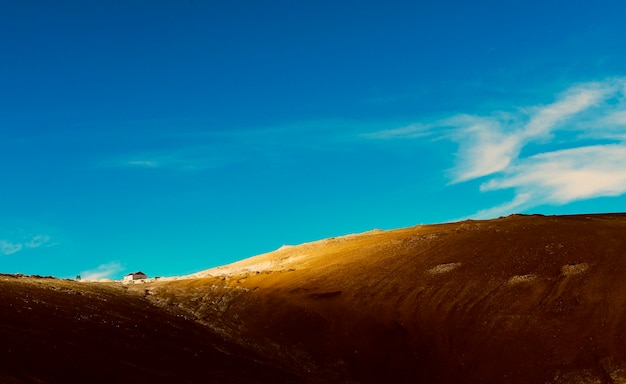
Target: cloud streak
{"x": 559, "y": 177}
{"x": 189, "y": 159}
{"x": 488, "y": 145}
{"x": 103, "y": 271}
{"x": 569, "y": 150}
{"x": 412, "y": 131}
{"x": 37, "y": 241}
{"x": 8, "y": 247}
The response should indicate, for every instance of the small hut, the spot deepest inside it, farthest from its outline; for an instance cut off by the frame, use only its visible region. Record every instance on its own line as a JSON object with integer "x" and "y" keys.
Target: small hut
{"x": 135, "y": 276}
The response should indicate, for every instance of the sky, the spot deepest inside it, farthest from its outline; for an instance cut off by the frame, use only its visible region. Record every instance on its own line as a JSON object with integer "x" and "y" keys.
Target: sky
{"x": 172, "y": 136}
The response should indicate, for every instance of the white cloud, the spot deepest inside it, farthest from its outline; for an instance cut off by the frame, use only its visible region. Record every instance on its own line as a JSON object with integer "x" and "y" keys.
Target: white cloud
{"x": 189, "y": 159}
{"x": 553, "y": 176}
{"x": 9, "y": 248}
{"x": 37, "y": 241}
{"x": 559, "y": 177}
{"x": 490, "y": 145}
{"x": 103, "y": 271}
{"x": 408, "y": 132}
{"x": 142, "y": 163}
{"x": 519, "y": 202}
{"x": 617, "y": 118}
{"x": 485, "y": 148}
{"x": 572, "y": 102}
{"x": 575, "y": 148}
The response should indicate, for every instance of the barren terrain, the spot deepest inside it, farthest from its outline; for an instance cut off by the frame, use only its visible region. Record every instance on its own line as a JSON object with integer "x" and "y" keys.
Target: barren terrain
{"x": 521, "y": 299}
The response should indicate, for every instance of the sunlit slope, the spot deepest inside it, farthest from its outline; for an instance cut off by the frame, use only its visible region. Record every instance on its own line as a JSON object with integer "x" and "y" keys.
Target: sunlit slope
{"x": 519, "y": 299}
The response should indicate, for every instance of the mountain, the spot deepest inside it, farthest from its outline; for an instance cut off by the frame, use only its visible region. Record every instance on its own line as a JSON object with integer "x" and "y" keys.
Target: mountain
{"x": 521, "y": 299}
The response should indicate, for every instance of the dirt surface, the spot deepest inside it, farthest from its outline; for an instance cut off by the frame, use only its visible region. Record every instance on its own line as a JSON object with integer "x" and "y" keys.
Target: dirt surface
{"x": 521, "y": 299}
{"x": 59, "y": 331}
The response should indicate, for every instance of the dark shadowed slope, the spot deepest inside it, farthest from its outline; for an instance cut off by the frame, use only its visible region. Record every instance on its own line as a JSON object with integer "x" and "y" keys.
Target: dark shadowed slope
{"x": 56, "y": 331}
{"x": 522, "y": 299}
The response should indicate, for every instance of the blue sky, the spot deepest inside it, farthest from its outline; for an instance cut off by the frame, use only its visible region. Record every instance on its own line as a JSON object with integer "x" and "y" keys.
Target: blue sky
{"x": 174, "y": 136}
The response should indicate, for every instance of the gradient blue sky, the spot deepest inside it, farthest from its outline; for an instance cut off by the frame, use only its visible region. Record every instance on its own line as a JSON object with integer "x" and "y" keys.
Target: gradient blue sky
{"x": 174, "y": 136}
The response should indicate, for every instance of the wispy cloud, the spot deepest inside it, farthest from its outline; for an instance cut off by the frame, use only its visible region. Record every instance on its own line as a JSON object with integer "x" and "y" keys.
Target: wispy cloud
{"x": 569, "y": 150}
{"x": 484, "y": 148}
{"x": 491, "y": 144}
{"x": 560, "y": 177}
{"x": 520, "y": 201}
{"x": 208, "y": 149}
{"x": 141, "y": 163}
{"x": 103, "y": 271}
{"x": 38, "y": 241}
{"x": 186, "y": 159}
{"x": 8, "y": 247}
{"x": 411, "y": 131}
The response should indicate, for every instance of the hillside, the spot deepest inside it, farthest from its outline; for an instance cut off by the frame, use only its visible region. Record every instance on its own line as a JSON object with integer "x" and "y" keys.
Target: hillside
{"x": 60, "y": 331}
{"x": 521, "y": 299}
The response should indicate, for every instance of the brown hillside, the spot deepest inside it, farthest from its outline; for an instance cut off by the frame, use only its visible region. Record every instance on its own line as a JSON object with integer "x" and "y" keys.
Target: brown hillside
{"x": 522, "y": 299}
{"x": 59, "y": 331}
